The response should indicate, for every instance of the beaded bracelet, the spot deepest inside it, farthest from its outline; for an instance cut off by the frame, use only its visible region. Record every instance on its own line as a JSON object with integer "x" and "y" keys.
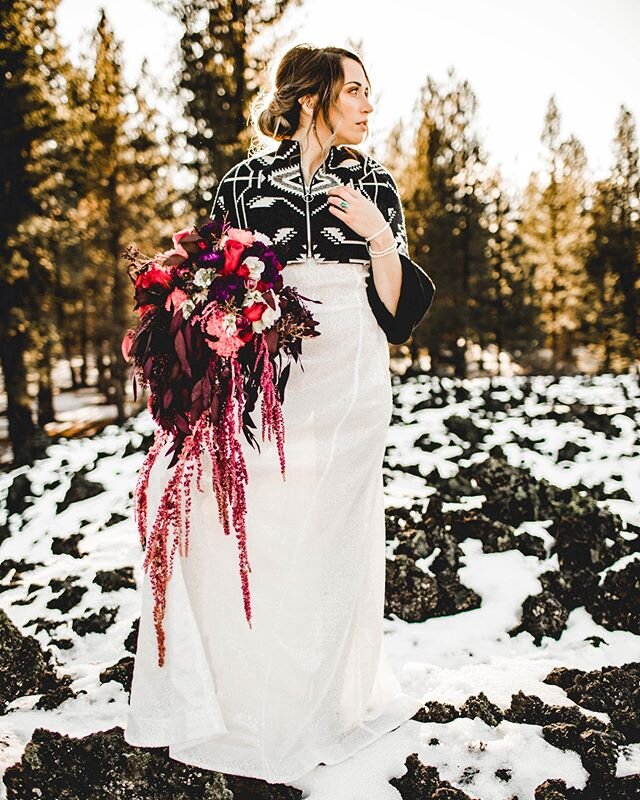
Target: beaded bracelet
{"x": 384, "y": 227}
{"x": 391, "y": 249}
{"x": 377, "y": 253}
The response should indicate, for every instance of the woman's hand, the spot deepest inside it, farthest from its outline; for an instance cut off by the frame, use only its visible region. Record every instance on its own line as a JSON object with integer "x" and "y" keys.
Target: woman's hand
{"x": 362, "y": 215}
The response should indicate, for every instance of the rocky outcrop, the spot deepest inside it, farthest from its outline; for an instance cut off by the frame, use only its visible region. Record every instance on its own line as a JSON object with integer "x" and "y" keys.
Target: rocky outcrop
{"x": 102, "y": 765}
{"x": 26, "y": 669}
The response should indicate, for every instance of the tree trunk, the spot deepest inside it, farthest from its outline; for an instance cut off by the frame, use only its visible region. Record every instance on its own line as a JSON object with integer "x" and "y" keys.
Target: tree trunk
{"x": 459, "y": 360}
{"x": 73, "y": 372}
{"x": 101, "y": 366}
{"x": 414, "y": 352}
{"x": 21, "y": 427}
{"x": 45, "y": 411}
{"x": 84, "y": 345}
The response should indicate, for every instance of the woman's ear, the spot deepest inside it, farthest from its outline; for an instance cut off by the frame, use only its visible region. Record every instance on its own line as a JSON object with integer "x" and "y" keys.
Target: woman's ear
{"x": 307, "y": 103}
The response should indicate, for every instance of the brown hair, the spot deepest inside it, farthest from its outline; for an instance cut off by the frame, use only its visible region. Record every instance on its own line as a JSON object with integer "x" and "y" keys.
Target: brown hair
{"x": 302, "y": 70}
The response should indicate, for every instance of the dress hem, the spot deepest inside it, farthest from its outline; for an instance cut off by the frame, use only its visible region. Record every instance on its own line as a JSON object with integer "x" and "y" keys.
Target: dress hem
{"x": 228, "y": 762}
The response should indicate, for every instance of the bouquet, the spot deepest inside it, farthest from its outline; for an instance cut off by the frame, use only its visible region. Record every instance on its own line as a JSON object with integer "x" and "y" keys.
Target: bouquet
{"x": 215, "y": 322}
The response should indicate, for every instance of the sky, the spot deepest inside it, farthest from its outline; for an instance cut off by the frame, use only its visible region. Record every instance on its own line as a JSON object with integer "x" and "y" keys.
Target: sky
{"x": 514, "y": 54}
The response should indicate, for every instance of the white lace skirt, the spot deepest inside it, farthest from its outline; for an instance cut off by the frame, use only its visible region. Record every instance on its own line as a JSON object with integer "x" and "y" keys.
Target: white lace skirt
{"x": 310, "y": 681}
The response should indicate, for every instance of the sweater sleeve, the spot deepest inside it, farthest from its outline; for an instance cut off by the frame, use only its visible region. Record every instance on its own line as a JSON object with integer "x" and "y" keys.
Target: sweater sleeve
{"x": 225, "y": 200}
{"x": 417, "y": 289}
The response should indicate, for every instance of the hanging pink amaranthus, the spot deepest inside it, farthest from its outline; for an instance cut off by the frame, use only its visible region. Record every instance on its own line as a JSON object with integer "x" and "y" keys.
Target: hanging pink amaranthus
{"x": 215, "y": 322}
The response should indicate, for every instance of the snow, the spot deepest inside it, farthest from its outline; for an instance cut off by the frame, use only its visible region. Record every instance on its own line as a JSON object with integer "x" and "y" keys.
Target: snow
{"x": 449, "y": 657}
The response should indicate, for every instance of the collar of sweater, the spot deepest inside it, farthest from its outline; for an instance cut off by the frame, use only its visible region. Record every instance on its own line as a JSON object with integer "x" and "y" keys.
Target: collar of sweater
{"x": 291, "y": 149}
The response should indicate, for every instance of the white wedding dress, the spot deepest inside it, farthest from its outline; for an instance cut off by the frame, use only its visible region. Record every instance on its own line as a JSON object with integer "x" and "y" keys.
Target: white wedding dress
{"x": 310, "y": 682}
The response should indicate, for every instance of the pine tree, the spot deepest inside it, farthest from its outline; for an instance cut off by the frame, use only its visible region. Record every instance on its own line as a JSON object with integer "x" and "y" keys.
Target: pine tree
{"x": 512, "y": 321}
{"x": 556, "y": 230}
{"x": 29, "y": 131}
{"x": 445, "y": 201}
{"x": 218, "y": 77}
{"x": 75, "y": 278}
{"x": 129, "y": 191}
{"x": 617, "y": 248}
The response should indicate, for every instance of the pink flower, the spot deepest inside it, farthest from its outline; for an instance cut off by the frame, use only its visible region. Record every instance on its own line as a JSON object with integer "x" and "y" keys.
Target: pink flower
{"x": 126, "y": 344}
{"x": 176, "y": 298}
{"x": 226, "y": 345}
{"x": 176, "y": 239}
{"x": 241, "y": 235}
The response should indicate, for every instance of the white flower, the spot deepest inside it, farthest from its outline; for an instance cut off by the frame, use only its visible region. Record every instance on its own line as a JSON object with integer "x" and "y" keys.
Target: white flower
{"x": 204, "y": 277}
{"x": 252, "y": 296}
{"x": 269, "y": 316}
{"x": 187, "y": 308}
{"x": 201, "y": 296}
{"x": 229, "y": 323}
{"x": 261, "y": 237}
{"x": 255, "y": 267}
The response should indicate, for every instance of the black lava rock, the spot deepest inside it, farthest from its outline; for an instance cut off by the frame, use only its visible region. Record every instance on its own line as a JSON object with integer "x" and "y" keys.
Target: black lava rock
{"x": 81, "y": 488}
{"x": 103, "y": 765}
{"x": 434, "y": 711}
{"x": 26, "y": 669}
{"x": 480, "y": 706}
{"x": 122, "y": 673}
{"x": 542, "y": 615}
{"x": 614, "y": 604}
{"x": 95, "y": 623}
{"x": 114, "y": 579}
{"x": 613, "y": 690}
{"x": 67, "y": 545}
{"x": 68, "y": 599}
{"x": 18, "y": 493}
{"x": 422, "y": 782}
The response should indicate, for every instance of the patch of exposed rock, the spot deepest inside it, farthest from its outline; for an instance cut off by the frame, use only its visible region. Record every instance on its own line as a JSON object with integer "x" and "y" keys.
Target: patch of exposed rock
{"x": 26, "y": 669}
{"x": 102, "y": 765}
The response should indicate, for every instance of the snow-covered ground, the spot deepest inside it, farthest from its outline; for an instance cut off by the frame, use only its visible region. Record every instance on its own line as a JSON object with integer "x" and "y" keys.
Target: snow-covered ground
{"x": 450, "y": 657}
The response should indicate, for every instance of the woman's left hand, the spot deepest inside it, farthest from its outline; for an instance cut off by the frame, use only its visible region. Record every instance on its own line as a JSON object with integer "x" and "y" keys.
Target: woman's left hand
{"x": 362, "y": 215}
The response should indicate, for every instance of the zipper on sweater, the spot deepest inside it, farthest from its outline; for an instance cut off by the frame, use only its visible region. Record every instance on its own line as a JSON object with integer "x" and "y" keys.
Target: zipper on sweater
{"x": 307, "y": 200}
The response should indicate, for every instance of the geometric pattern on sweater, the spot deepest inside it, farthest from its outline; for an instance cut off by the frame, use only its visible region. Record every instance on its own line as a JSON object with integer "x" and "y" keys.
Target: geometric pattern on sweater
{"x": 267, "y": 193}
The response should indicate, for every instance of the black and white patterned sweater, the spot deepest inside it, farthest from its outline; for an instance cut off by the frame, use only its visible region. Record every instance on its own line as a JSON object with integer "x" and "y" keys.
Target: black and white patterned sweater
{"x": 267, "y": 193}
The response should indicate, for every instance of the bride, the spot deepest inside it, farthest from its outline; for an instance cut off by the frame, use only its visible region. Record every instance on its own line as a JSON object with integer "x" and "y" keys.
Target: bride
{"x": 309, "y": 682}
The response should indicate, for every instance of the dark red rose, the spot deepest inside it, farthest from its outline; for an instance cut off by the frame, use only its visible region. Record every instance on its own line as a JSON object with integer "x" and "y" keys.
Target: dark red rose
{"x": 233, "y": 251}
{"x": 254, "y": 311}
{"x": 154, "y": 276}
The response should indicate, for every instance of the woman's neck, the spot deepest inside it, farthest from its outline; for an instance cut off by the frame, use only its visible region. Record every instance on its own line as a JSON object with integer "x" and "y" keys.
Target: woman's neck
{"x": 311, "y": 155}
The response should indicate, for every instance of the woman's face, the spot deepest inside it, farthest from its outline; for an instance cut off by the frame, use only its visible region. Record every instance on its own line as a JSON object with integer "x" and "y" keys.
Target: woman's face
{"x": 352, "y": 106}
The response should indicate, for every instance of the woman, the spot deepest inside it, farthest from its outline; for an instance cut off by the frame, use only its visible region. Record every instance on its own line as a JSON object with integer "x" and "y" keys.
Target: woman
{"x": 309, "y": 682}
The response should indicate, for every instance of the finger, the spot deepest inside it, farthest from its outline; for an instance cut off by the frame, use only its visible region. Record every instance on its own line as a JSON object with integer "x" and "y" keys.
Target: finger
{"x": 337, "y": 191}
{"x": 346, "y": 188}
{"x": 336, "y": 199}
{"x": 345, "y": 192}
